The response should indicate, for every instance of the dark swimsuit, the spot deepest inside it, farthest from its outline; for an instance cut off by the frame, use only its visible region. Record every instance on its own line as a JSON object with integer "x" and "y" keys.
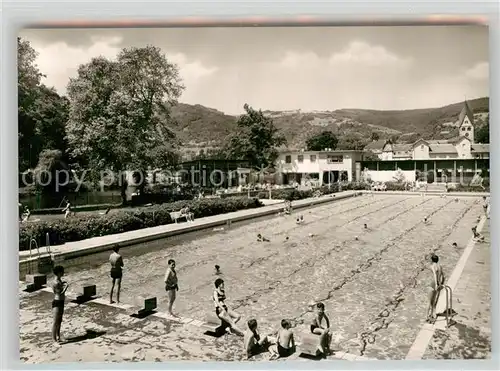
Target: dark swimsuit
{"x": 284, "y": 352}
{"x": 58, "y": 304}
{"x": 221, "y": 298}
{"x": 116, "y": 273}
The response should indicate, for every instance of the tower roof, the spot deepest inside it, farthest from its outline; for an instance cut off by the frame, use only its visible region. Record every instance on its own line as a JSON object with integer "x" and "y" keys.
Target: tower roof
{"x": 466, "y": 111}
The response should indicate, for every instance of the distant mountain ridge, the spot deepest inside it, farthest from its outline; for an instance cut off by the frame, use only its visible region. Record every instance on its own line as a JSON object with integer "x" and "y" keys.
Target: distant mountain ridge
{"x": 197, "y": 126}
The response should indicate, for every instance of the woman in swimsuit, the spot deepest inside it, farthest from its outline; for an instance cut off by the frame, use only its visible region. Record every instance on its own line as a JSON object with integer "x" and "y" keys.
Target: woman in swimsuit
{"x": 435, "y": 285}
{"x": 318, "y": 329}
{"x": 59, "y": 288}
{"x": 221, "y": 309}
{"x": 116, "y": 262}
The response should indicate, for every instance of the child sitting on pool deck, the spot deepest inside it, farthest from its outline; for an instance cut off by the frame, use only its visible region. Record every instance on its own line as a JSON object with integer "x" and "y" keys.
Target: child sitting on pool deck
{"x": 477, "y": 235}
{"x": 285, "y": 343}
{"x": 322, "y": 330}
{"x": 221, "y": 310}
{"x": 254, "y": 343}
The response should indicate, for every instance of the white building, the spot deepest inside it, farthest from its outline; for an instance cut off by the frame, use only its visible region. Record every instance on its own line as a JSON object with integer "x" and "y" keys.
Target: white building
{"x": 462, "y": 147}
{"x": 324, "y": 167}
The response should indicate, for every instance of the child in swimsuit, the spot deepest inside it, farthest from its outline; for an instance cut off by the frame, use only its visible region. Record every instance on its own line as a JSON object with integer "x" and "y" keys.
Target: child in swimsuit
{"x": 171, "y": 285}
{"x": 227, "y": 316}
{"x": 59, "y": 288}
{"x": 116, "y": 262}
{"x": 254, "y": 343}
{"x": 285, "y": 343}
{"x": 435, "y": 285}
{"x": 322, "y": 330}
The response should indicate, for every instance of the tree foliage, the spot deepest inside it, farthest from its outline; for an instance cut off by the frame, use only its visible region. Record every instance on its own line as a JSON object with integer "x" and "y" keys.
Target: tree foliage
{"x": 325, "y": 139}
{"x": 42, "y": 113}
{"x": 118, "y": 110}
{"x": 482, "y": 134}
{"x": 256, "y": 140}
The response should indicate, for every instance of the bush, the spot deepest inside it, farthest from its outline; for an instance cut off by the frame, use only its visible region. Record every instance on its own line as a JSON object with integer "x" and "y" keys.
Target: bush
{"x": 396, "y": 186}
{"x": 468, "y": 188}
{"x": 87, "y": 226}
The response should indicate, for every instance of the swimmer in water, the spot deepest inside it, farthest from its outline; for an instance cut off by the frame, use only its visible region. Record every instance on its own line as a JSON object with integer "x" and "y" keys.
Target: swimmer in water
{"x": 321, "y": 329}
{"x": 454, "y": 244}
{"x": 426, "y": 221}
{"x": 226, "y": 315}
{"x": 300, "y": 219}
{"x": 59, "y": 288}
{"x": 116, "y": 262}
{"x": 435, "y": 285}
{"x": 171, "y": 285}
{"x": 260, "y": 238}
{"x": 217, "y": 270}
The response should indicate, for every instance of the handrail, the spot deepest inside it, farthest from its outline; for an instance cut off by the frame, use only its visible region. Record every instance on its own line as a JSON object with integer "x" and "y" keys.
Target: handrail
{"x": 449, "y": 304}
{"x": 32, "y": 240}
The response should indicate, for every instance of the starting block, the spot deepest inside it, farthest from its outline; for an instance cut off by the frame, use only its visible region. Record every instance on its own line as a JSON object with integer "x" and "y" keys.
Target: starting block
{"x": 309, "y": 344}
{"x": 214, "y": 326}
{"x": 89, "y": 293}
{"x": 144, "y": 306}
{"x": 35, "y": 281}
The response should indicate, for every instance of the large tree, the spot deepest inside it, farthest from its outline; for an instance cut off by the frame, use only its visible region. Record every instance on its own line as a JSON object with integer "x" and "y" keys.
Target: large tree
{"x": 256, "y": 140}
{"x": 42, "y": 112}
{"x": 319, "y": 142}
{"x": 119, "y": 110}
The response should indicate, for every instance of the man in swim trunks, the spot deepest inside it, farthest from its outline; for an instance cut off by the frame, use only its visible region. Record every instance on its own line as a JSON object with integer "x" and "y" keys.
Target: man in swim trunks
{"x": 116, "y": 262}
{"x": 227, "y": 316}
{"x": 253, "y": 342}
{"x": 323, "y": 330}
{"x": 171, "y": 285}
{"x": 59, "y": 288}
{"x": 285, "y": 343}
{"x": 435, "y": 285}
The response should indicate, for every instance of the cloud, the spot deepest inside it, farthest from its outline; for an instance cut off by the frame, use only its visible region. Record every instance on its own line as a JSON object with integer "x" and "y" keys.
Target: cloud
{"x": 190, "y": 71}
{"x": 361, "y": 53}
{"x": 480, "y": 71}
{"x": 60, "y": 61}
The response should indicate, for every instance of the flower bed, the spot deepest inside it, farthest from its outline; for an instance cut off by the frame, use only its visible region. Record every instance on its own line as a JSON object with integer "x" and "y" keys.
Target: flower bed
{"x": 87, "y": 226}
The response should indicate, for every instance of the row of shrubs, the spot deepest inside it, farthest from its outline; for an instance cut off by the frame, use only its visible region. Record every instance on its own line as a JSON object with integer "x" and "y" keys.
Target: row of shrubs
{"x": 81, "y": 227}
{"x": 295, "y": 194}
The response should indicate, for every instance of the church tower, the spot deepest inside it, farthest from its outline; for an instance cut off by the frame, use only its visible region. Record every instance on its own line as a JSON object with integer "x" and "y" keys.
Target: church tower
{"x": 466, "y": 123}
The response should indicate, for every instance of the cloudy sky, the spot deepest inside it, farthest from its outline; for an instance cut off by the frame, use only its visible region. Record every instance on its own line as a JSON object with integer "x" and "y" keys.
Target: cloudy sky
{"x": 314, "y": 68}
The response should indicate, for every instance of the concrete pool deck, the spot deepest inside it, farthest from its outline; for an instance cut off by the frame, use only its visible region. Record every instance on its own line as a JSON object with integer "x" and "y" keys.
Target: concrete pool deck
{"x": 363, "y": 277}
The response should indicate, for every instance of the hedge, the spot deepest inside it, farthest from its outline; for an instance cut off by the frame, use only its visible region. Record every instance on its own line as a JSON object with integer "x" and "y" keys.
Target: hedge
{"x": 295, "y": 194}
{"x": 82, "y": 227}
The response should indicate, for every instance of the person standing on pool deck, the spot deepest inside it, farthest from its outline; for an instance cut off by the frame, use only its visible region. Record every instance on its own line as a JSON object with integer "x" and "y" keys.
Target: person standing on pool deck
{"x": 221, "y": 309}
{"x": 59, "y": 288}
{"x": 435, "y": 285}
{"x": 171, "y": 285}
{"x": 318, "y": 329}
{"x": 116, "y": 261}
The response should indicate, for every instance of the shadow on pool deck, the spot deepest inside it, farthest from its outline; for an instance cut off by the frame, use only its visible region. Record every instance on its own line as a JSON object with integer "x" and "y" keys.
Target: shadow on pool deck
{"x": 89, "y": 334}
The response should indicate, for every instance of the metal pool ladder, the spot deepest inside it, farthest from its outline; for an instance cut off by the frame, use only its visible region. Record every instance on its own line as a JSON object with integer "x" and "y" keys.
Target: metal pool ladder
{"x": 41, "y": 261}
{"x": 449, "y": 305}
